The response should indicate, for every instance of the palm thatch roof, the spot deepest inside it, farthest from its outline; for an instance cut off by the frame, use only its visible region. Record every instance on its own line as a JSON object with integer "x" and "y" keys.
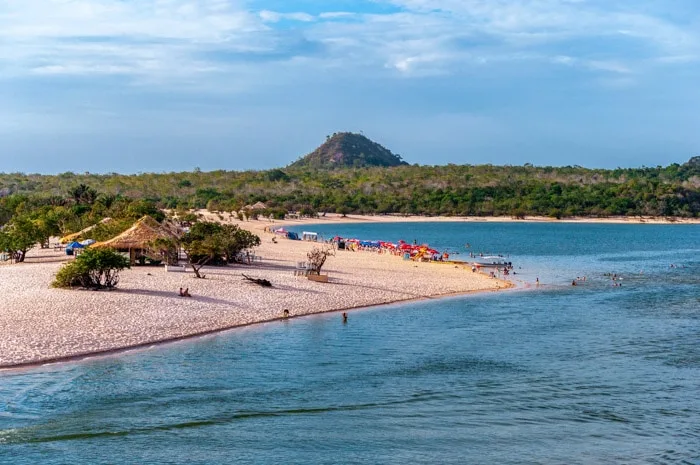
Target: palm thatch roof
{"x": 141, "y": 235}
{"x": 256, "y": 206}
{"x": 74, "y": 236}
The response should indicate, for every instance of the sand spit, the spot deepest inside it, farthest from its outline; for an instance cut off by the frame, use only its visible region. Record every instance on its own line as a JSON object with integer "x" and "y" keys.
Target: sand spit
{"x": 335, "y": 218}
{"x": 40, "y": 324}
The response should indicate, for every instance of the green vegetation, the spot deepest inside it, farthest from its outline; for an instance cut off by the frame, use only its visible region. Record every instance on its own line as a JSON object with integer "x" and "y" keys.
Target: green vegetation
{"x": 35, "y": 207}
{"x": 209, "y": 242}
{"x": 92, "y": 269}
{"x": 16, "y": 239}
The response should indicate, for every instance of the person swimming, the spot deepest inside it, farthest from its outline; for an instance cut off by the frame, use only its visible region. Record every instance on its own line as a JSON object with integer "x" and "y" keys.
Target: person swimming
{"x": 345, "y": 317}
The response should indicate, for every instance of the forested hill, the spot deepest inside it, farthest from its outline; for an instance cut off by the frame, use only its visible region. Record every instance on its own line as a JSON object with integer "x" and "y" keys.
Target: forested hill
{"x": 348, "y": 150}
{"x": 430, "y": 190}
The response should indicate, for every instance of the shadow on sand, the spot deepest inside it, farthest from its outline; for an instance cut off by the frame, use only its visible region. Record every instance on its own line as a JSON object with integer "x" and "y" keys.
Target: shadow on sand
{"x": 174, "y": 296}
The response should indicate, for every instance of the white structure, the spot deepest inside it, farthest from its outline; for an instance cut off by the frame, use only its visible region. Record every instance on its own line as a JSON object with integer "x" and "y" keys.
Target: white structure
{"x": 309, "y": 236}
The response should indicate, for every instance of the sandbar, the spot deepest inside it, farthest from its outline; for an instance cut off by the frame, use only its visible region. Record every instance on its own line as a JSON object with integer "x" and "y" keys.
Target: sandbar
{"x": 40, "y": 324}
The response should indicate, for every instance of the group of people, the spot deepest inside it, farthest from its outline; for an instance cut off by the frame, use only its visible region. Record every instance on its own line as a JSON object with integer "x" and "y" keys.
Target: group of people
{"x": 615, "y": 278}
{"x": 185, "y": 292}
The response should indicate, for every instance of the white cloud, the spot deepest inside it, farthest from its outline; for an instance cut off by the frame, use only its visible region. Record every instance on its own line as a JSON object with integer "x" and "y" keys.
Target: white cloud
{"x": 596, "y": 65}
{"x": 207, "y": 20}
{"x": 169, "y": 40}
{"x": 610, "y": 66}
{"x": 275, "y": 17}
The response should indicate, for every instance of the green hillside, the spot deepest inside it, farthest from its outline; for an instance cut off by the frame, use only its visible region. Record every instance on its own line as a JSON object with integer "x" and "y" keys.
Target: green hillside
{"x": 348, "y": 150}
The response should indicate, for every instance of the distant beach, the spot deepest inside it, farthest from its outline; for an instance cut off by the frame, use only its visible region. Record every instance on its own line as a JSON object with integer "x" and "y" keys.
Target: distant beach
{"x": 393, "y": 218}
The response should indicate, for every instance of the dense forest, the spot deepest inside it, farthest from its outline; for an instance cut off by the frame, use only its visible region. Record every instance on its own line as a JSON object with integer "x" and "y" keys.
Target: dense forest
{"x": 671, "y": 191}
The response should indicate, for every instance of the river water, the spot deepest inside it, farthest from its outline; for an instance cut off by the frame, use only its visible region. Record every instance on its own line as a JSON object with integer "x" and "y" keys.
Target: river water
{"x": 594, "y": 373}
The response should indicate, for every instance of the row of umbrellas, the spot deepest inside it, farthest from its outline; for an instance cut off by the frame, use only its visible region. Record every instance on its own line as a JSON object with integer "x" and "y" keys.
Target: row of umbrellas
{"x": 401, "y": 245}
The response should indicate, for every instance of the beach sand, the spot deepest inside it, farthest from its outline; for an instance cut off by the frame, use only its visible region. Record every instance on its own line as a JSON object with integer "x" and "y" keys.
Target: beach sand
{"x": 40, "y": 324}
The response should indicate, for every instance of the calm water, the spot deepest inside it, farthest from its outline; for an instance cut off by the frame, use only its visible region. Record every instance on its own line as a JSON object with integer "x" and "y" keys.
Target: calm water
{"x": 555, "y": 374}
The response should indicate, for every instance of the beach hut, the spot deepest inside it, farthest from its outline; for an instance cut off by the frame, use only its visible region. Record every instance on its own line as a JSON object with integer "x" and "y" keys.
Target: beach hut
{"x": 76, "y": 236}
{"x": 256, "y": 206}
{"x": 138, "y": 240}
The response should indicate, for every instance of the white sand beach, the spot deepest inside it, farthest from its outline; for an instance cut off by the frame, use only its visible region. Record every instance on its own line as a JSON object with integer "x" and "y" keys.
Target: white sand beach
{"x": 41, "y": 324}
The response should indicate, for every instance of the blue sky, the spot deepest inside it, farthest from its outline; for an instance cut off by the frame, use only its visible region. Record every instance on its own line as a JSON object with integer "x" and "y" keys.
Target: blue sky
{"x": 168, "y": 85}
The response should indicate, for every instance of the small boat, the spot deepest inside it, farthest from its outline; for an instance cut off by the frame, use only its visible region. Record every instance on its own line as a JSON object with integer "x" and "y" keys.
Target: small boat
{"x": 490, "y": 260}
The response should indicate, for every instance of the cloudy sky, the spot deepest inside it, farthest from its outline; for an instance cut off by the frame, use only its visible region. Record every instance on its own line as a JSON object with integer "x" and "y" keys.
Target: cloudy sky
{"x": 168, "y": 85}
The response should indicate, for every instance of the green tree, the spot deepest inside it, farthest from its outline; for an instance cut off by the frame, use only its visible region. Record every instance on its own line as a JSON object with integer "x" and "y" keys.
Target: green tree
{"x": 83, "y": 194}
{"x": 236, "y": 240}
{"x": 208, "y": 241}
{"x": 93, "y": 269}
{"x": 202, "y": 244}
{"x": 18, "y": 236}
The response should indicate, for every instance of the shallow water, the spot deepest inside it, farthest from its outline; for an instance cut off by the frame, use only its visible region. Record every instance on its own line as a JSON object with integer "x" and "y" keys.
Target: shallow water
{"x": 555, "y": 374}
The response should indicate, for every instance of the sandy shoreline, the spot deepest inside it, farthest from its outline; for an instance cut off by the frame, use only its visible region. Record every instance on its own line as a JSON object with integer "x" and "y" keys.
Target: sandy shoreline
{"x": 41, "y": 325}
{"x": 335, "y": 218}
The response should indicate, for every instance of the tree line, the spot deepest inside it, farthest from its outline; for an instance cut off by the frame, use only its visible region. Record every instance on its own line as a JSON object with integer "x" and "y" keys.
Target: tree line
{"x": 66, "y": 202}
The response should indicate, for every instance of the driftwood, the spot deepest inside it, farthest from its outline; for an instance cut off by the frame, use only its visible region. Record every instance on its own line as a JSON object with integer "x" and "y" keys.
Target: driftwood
{"x": 258, "y": 281}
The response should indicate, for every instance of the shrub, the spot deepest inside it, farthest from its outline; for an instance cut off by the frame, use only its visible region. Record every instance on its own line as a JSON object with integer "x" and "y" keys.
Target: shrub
{"x": 93, "y": 269}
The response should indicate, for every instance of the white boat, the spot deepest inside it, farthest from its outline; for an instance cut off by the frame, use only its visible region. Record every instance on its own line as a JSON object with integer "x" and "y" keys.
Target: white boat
{"x": 490, "y": 260}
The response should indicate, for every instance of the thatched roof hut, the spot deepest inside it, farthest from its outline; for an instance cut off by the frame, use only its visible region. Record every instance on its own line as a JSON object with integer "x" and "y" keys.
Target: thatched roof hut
{"x": 256, "y": 206}
{"x": 75, "y": 236}
{"x": 141, "y": 235}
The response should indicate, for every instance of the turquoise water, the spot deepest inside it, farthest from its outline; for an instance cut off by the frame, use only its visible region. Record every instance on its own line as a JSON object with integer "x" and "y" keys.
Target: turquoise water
{"x": 555, "y": 374}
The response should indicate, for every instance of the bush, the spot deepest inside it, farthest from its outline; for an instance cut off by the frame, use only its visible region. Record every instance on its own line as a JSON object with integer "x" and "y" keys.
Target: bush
{"x": 317, "y": 258}
{"x": 93, "y": 269}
